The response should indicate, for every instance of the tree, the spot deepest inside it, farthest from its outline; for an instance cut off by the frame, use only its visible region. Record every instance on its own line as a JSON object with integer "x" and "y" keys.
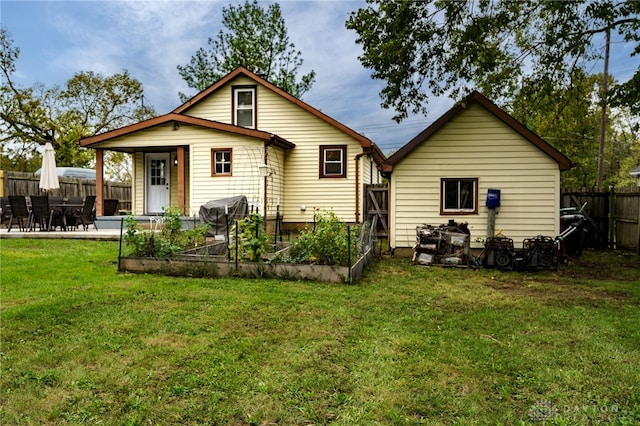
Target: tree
{"x": 439, "y": 47}
{"x": 90, "y": 103}
{"x": 256, "y": 39}
{"x": 567, "y": 117}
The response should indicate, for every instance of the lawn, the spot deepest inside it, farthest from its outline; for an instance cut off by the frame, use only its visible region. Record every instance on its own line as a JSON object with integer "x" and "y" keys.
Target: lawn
{"x": 83, "y": 344}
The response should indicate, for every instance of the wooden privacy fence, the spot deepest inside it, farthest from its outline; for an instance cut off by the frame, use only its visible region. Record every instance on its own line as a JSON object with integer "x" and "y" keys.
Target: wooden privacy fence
{"x": 19, "y": 183}
{"x": 612, "y": 217}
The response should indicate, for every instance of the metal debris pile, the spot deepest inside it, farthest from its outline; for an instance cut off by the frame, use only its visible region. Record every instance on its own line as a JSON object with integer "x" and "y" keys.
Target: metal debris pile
{"x": 445, "y": 245}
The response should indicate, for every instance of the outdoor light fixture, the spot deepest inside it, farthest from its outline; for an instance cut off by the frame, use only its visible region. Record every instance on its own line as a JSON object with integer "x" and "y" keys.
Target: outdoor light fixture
{"x": 263, "y": 170}
{"x": 176, "y": 125}
{"x": 175, "y": 161}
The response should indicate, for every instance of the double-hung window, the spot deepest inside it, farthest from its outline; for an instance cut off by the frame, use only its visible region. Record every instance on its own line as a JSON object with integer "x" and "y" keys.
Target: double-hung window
{"x": 459, "y": 196}
{"x": 244, "y": 106}
{"x": 221, "y": 162}
{"x": 333, "y": 161}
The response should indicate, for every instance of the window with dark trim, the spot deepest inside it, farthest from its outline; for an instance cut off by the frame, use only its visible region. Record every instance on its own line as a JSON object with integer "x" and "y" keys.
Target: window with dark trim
{"x": 459, "y": 196}
{"x": 221, "y": 161}
{"x": 333, "y": 161}
{"x": 244, "y": 106}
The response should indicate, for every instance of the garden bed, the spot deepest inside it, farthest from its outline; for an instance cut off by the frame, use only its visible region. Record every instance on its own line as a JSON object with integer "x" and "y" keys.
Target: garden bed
{"x": 210, "y": 261}
{"x": 319, "y": 253}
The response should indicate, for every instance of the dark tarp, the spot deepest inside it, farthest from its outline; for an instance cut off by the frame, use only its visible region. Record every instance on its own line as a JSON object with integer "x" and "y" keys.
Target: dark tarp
{"x": 213, "y": 213}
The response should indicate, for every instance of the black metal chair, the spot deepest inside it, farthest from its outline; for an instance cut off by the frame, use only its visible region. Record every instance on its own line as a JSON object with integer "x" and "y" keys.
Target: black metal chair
{"x": 6, "y": 210}
{"x": 43, "y": 214}
{"x": 110, "y": 206}
{"x": 72, "y": 214}
{"x": 86, "y": 216}
{"x": 19, "y": 212}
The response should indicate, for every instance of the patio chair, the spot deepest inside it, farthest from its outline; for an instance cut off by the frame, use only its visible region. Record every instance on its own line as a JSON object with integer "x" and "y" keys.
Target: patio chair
{"x": 6, "y": 210}
{"x": 43, "y": 214}
{"x": 19, "y": 212}
{"x": 86, "y": 215}
{"x": 111, "y": 206}
{"x": 72, "y": 214}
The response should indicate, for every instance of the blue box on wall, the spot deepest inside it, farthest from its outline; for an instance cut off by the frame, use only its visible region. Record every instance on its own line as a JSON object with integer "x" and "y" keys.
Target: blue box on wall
{"x": 493, "y": 198}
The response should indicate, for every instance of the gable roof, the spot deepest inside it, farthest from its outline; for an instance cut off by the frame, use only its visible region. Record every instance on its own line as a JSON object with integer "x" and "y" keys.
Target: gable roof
{"x": 366, "y": 143}
{"x": 185, "y": 119}
{"x": 564, "y": 162}
{"x": 636, "y": 172}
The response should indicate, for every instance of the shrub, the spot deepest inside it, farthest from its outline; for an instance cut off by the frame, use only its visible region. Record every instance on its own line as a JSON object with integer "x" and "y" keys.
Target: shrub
{"x": 326, "y": 243}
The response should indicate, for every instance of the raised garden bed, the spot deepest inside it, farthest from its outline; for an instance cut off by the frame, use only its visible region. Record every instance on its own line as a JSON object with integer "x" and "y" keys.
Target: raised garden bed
{"x": 212, "y": 261}
{"x": 318, "y": 254}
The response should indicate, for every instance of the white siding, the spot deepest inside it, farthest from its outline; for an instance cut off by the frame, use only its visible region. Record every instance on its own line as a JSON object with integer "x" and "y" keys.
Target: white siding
{"x": 475, "y": 144}
{"x": 303, "y": 186}
{"x": 275, "y": 180}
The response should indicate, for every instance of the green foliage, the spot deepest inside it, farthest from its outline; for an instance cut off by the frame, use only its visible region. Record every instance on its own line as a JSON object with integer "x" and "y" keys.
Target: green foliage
{"x": 569, "y": 117}
{"x": 326, "y": 243}
{"x": 424, "y": 48}
{"x": 253, "y": 241}
{"x": 88, "y": 104}
{"x": 254, "y": 38}
{"x": 168, "y": 242}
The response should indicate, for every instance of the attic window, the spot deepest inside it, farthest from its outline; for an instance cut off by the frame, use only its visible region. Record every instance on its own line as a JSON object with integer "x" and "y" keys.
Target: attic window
{"x": 221, "y": 162}
{"x": 459, "y": 196}
{"x": 244, "y": 106}
{"x": 332, "y": 161}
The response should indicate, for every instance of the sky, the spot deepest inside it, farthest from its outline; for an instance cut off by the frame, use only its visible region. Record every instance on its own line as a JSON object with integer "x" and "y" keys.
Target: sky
{"x": 58, "y": 39}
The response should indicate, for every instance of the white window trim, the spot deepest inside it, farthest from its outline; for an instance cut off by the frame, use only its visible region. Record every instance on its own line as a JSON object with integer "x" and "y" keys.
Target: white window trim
{"x": 237, "y": 107}
{"x": 343, "y": 161}
{"x": 214, "y": 161}
{"x": 444, "y": 210}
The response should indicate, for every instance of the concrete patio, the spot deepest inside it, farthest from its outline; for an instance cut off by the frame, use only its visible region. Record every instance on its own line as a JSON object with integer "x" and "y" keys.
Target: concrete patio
{"x": 80, "y": 234}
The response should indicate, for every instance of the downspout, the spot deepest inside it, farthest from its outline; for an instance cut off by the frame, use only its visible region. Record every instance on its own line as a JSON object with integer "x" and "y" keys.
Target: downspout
{"x": 357, "y": 158}
{"x": 264, "y": 195}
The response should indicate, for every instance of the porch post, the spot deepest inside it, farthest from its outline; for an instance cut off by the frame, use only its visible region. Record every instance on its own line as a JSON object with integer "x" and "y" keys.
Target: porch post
{"x": 99, "y": 182}
{"x": 181, "y": 180}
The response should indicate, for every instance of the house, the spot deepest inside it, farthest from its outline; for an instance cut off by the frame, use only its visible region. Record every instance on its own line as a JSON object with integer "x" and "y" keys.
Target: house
{"x": 245, "y": 136}
{"x": 445, "y": 173}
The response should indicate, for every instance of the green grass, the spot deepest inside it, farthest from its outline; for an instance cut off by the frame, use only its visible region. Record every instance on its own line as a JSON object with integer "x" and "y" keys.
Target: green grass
{"x": 83, "y": 344}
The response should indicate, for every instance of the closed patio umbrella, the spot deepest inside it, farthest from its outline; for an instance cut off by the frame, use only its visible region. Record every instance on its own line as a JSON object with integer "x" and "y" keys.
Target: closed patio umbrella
{"x": 48, "y": 173}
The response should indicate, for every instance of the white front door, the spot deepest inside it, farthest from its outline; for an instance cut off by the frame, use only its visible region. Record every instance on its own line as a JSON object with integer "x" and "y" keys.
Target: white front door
{"x": 158, "y": 182}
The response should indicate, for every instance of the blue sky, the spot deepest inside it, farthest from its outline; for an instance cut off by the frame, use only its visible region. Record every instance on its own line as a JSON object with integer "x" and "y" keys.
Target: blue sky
{"x": 149, "y": 39}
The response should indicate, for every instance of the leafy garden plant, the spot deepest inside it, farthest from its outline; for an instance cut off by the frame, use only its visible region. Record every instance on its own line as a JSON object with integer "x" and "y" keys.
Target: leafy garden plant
{"x": 168, "y": 242}
{"x": 328, "y": 242}
{"x": 252, "y": 240}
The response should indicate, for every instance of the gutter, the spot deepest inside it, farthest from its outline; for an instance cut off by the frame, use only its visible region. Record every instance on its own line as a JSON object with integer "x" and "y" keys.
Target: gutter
{"x": 357, "y": 159}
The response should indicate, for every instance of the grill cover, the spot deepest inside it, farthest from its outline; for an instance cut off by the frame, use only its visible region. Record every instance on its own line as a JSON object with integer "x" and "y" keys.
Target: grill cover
{"x": 213, "y": 213}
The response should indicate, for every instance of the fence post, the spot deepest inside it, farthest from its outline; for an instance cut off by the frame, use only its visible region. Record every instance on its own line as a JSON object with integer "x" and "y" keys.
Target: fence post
{"x": 236, "y": 245}
{"x": 638, "y": 227}
{"x": 612, "y": 217}
{"x": 349, "y": 251}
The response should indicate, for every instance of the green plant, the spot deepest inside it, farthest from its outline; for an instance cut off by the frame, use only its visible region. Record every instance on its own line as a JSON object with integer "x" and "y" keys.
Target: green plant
{"x": 252, "y": 240}
{"x": 328, "y": 242}
{"x": 168, "y": 242}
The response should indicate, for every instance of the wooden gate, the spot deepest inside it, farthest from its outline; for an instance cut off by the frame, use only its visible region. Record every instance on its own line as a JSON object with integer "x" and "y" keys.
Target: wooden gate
{"x": 376, "y": 205}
